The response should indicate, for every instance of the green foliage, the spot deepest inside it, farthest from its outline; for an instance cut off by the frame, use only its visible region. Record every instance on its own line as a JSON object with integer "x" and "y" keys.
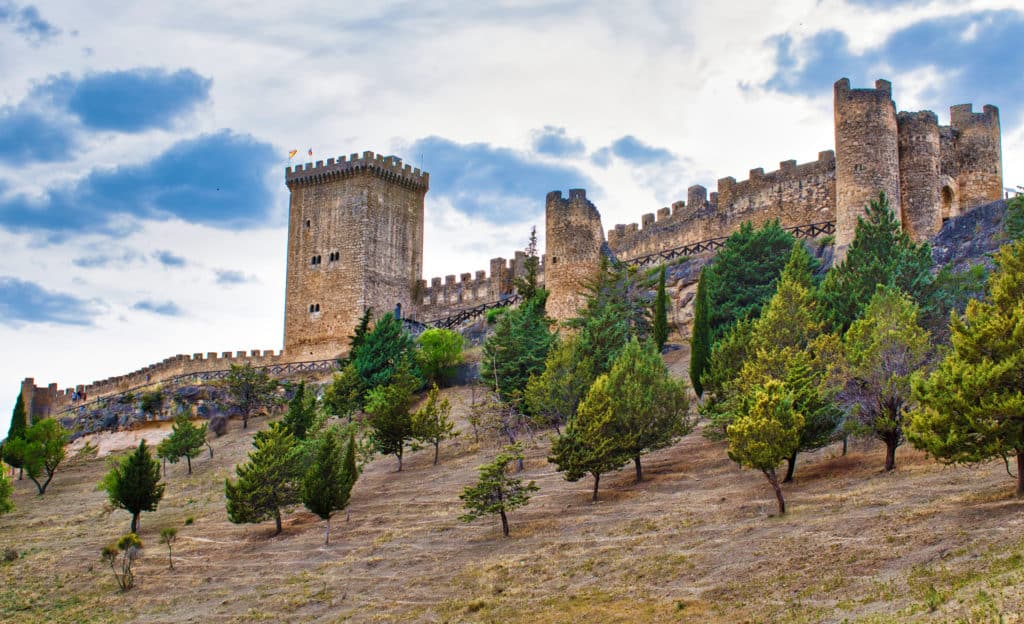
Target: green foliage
{"x": 553, "y": 396}
{"x": 6, "y": 494}
{"x": 12, "y": 451}
{"x": 527, "y": 285}
{"x": 882, "y": 351}
{"x": 701, "y": 340}
{"x": 388, "y": 407}
{"x": 616, "y": 310}
{"x": 268, "y": 482}
{"x": 386, "y": 348}
{"x": 344, "y": 395}
{"x": 1014, "y": 221}
{"x": 881, "y": 253}
{"x": 494, "y": 314}
{"x": 951, "y": 290}
{"x": 971, "y": 407}
{"x": 327, "y": 485}
{"x": 186, "y": 440}
{"x": 431, "y": 423}
{"x": 18, "y": 419}
{"x": 151, "y": 402}
{"x": 440, "y": 352}
{"x": 651, "y": 409}
{"x": 301, "y": 413}
{"x": 517, "y": 349}
{"x": 168, "y": 535}
{"x": 744, "y": 274}
{"x": 727, "y": 359}
{"x": 496, "y": 492}
{"x": 129, "y": 547}
{"x": 767, "y": 433}
{"x": 42, "y": 450}
{"x": 659, "y": 329}
{"x": 249, "y": 391}
{"x": 356, "y": 340}
{"x": 133, "y": 484}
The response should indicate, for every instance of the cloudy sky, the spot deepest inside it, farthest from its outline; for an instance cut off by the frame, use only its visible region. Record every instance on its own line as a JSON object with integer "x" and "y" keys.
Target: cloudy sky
{"x": 142, "y": 144}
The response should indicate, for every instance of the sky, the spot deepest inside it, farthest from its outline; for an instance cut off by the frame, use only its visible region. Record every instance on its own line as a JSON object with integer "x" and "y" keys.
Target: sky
{"x": 143, "y": 210}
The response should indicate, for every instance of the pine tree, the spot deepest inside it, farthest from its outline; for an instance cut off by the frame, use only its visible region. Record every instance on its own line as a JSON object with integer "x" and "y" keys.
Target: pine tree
{"x": 496, "y": 492}
{"x": 356, "y": 340}
{"x": 386, "y": 348}
{"x": 881, "y": 253}
{"x": 431, "y": 423}
{"x": 134, "y": 484}
{"x": 659, "y": 331}
{"x": 388, "y": 407}
{"x": 1014, "y": 221}
{"x": 327, "y": 485}
{"x": 767, "y": 433}
{"x": 249, "y": 391}
{"x": 553, "y": 396}
{"x": 517, "y": 349}
{"x": 527, "y": 285}
{"x": 268, "y": 482}
{"x": 6, "y": 494}
{"x": 727, "y": 359}
{"x": 42, "y": 448}
{"x": 701, "y": 339}
{"x": 593, "y": 442}
{"x": 186, "y": 440}
{"x": 301, "y": 412}
{"x": 11, "y": 453}
{"x": 883, "y": 350}
{"x": 971, "y": 407}
{"x": 344, "y": 395}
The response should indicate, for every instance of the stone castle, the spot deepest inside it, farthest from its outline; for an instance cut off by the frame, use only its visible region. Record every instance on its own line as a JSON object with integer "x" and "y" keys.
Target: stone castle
{"x": 355, "y": 231}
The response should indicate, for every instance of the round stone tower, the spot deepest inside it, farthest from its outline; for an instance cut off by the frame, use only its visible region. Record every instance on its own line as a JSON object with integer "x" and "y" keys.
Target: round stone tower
{"x": 979, "y": 154}
{"x": 920, "y": 165}
{"x": 573, "y": 254}
{"x": 867, "y": 154}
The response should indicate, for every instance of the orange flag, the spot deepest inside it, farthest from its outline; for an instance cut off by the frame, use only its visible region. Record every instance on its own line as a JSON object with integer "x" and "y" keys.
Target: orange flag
{"x": 292, "y": 154}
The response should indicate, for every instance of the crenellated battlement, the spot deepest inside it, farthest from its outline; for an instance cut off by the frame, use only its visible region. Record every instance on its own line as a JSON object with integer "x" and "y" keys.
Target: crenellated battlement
{"x": 438, "y": 297}
{"x": 389, "y": 168}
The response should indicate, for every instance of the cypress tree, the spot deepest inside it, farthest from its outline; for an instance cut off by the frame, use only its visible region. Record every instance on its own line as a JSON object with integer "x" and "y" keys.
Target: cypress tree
{"x": 659, "y": 330}
{"x": 267, "y": 482}
{"x": 134, "y": 484}
{"x": 387, "y": 347}
{"x": 301, "y": 412}
{"x": 701, "y": 339}
{"x": 327, "y": 485}
{"x": 12, "y": 450}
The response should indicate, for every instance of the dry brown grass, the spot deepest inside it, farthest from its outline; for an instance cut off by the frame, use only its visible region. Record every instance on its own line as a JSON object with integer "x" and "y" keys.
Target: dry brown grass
{"x": 697, "y": 541}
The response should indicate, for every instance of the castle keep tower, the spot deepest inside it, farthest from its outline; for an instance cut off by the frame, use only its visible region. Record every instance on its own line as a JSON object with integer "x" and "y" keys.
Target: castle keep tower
{"x": 355, "y": 241}
{"x": 867, "y": 154}
{"x": 920, "y": 164}
{"x": 979, "y": 154}
{"x": 573, "y": 255}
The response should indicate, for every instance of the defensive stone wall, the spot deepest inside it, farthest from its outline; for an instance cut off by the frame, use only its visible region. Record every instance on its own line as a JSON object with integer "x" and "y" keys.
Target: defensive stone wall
{"x": 439, "y": 297}
{"x": 794, "y": 194}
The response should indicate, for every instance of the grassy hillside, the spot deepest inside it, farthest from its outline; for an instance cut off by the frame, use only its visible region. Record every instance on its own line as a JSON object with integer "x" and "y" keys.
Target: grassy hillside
{"x": 696, "y": 541}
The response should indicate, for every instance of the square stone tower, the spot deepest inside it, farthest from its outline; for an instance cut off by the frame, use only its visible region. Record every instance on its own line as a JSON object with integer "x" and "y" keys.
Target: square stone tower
{"x": 355, "y": 241}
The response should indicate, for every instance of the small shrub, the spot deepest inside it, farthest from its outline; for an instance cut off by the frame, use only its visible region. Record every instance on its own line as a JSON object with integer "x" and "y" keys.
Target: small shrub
{"x": 493, "y": 314}
{"x": 167, "y": 537}
{"x": 190, "y": 520}
{"x": 130, "y": 549}
{"x": 219, "y": 424}
{"x": 10, "y": 554}
{"x": 151, "y": 402}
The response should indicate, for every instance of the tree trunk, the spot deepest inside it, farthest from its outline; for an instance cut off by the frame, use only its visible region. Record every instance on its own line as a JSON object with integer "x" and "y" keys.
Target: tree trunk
{"x": 639, "y": 470}
{"x": 245, "y": 421}
{"x": 774, "y": 480}
{"x": 21, "y": 473}
{"x": 165, "y": 468}
{"x": 135, "y": 522}
{"x": 890, "y": 455}
{"x": 211, "y": 449}
{"x": 399, "y": 456}
{"x": 327, "y": 532}
{"x": 277, "y": 521}
{"x": 790, "y": 468}
{"x": 189, "y": 460}
{"x": 504, "y": 522}
{"x": 170, "y": 562}
{"x": 437, "y": 445}
{"x": 38, "y": 486}
{"x": 597, "y": 480}
{"x": 1020, "y": 473}
{"x": 846, "y": 440}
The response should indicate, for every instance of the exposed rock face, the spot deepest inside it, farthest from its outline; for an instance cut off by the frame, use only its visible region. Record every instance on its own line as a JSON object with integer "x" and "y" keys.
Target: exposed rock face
{"x": 970, "y": 238}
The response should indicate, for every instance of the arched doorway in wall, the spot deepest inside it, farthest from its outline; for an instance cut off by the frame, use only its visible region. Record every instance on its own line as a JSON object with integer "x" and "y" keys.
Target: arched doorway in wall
{"x": 949, "y": 204}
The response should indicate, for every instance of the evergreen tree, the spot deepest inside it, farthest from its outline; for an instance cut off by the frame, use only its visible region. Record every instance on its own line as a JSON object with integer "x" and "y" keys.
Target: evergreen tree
{"x": 593, "y": 442}
{"x": 439, "y": 354}
{"x": 527, "y": 286}
{"x": 883, "y": 350}
{"x": 356, "y": 340}
{"x": 767, "y": 433}
{"x": 616, "y": 309}
{"x": 344, "y": 396}
{"x": 6, "y": 494}
{"x": 249, "y": 391}
{"x": 431, "y": 423}
{"x": 727, "y": 359}
{"x": 11, "y": 454}
{"x": 388, "y": 407}
{"x": 134, "y": 484}
{"x": 327, "y": 485}
{"x": 186, "y": 440}
{"x": 881, "y": 253}
{"x": 268, "y": 482}
{"x": 701, "y": 339}
{"x": 1014, "y": 221}
{"x": 386, "y": 348}
{"x": 553, "y": 396}
{"x": 651, "y": 408}
{"x": 971, "y": 407}
{"x": 659, "y": 331}
{"x": 301, "y": 413}
{"x": 496, "y": 492}
{"x": 42, "y": 448}
{"x": 517, "y": 349}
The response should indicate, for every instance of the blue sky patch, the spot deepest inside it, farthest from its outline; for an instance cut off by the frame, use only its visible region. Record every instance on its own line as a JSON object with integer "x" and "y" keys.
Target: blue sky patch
{"x": 163, "y": 308}
{"x": 494, "y": 183}
{"x": 132, "y": 100}
{"x": 552, "y": 141}
{"x": 978, "y": 54}
{"x": 27, "y": 302}
{"x": 27, "y": 22}
{"x": 228, "y": 277}
{"x": 218, "y": 180}
{"x": 27, "y": 136}
{"x": 169, "y": 259}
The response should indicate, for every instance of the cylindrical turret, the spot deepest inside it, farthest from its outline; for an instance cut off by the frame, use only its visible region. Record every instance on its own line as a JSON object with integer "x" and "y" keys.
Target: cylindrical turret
{"x": 573, "y": 250}
{"x": 979, "y": 154}
{"x": 867, "y": 154}
{"x": 920, "y": 164}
